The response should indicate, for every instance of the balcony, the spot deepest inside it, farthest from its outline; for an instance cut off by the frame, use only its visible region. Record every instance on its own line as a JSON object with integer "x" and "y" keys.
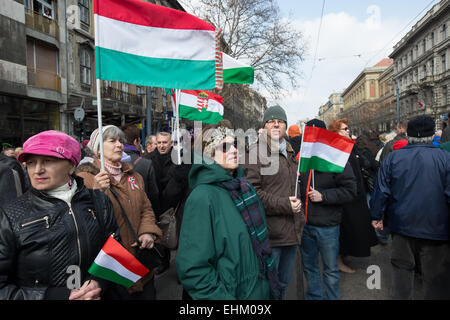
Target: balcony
{"x": 427, "y": 81}
{"x": 42, "y": 24}
{"x": 44, "y": 79}
{"x": 122, "y": 96}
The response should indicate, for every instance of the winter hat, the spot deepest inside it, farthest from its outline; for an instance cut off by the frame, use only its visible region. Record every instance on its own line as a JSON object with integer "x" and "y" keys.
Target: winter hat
{"x": 421, "y": 126}
{"x": 294, "y": 131}
{"x": 316, "y": 123}
{"x": 94, "y": 141}
{"x": 274, "y": 112}
{"x": 54, "y": 144}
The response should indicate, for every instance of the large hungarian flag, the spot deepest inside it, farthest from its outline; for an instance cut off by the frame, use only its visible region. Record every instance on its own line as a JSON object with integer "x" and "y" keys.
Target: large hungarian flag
{"x": 151, "y": 45}
{"x": 117, "y": 264}
{"x": 200, "y": 105}
{"x": 324, "y": 150}
{"x": 235, "y": 71}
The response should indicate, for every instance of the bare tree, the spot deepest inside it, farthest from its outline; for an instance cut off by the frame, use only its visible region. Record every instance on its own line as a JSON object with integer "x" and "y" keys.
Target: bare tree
{"x": 254, "y": 32}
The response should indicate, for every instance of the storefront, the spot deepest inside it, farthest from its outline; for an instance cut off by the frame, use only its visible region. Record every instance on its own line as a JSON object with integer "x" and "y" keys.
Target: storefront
{"x": 21, "y": 118}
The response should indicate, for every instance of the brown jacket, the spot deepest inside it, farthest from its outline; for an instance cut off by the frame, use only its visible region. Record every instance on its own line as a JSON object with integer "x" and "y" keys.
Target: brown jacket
{"x": 135, "y": 203}
{"x": 274, "y": 189}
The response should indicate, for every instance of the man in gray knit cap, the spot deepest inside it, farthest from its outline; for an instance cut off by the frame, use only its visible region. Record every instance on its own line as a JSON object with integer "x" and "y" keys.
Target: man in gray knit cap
{"x": 276, "y": 188}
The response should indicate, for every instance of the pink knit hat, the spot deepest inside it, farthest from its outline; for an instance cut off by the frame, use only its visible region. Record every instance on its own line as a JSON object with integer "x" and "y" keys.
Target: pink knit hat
{"x": 54, "y": 144}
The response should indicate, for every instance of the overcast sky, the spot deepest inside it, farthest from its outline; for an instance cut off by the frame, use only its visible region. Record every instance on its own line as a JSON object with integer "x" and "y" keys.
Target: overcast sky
{"x": 354, "y": 34}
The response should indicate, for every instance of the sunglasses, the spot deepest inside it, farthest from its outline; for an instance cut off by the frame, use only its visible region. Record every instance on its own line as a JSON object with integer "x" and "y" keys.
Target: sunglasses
{"x": 345, "y": 129}
{"x": 226, "y": 146}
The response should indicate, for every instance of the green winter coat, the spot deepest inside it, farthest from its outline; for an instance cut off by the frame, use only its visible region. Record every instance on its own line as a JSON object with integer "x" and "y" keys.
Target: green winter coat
{"x": 215, "y": 258}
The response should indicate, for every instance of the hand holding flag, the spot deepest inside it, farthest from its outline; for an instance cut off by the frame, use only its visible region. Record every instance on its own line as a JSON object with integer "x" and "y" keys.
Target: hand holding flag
{"x": 117, "y": 264}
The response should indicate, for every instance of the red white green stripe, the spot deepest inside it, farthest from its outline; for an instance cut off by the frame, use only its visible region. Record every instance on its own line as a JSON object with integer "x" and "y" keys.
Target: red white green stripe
{"x": 147, "y": 44}
{"x": 324, "y": 150}
{"x": 117, "y": 264}
{"x": 235, "y": 71}
{"x": 200, "y": 105}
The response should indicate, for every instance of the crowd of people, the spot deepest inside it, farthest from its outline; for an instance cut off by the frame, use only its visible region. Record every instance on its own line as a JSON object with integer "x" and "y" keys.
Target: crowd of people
{"x": 240, "y": 225}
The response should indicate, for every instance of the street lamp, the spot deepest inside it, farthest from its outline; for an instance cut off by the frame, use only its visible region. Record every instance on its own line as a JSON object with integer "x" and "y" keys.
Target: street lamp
{"x": 397, "y": 101}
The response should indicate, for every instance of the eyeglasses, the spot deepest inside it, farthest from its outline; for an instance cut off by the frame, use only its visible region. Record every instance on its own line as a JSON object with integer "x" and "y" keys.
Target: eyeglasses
{"x": 272, "y": 122}
{"x": 345, "y": 129}
{"x": 227, "y": 145}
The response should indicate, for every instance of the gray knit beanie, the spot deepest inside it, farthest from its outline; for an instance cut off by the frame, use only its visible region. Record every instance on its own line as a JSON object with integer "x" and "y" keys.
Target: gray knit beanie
{"x": 274, "y": 112}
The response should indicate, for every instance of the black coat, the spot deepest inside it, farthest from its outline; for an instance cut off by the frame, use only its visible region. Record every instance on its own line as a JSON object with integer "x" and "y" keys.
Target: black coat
{"x": 296, "y": 142}
{"x": 172, "y": 180}
{"x": 357, "y": 234}
{"x": 13, "y": 182}
{"x": 40, "y": 237}
{"x": 144, "y": 166}
{"x": 337, "y": 189}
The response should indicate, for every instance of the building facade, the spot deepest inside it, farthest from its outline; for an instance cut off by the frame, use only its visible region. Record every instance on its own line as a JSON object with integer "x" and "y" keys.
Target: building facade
{"x": 47, "y": 72}
{"x": 33, "y": 77}
{"x": 330, "y": 111}
{"x": 421, "y": 68}
{"x": 362, "y": 98}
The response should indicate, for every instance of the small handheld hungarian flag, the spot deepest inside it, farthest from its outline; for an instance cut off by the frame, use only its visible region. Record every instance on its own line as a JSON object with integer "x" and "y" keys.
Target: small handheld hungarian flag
{"x": 200, "y": 105}
{"x": 324, "y": 150}
{"x": 117, "y": 264}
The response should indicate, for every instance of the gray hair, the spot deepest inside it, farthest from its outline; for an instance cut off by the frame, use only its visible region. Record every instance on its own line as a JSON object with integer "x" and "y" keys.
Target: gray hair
{"x": 163, "y": 133}
{"x": 113, "y": 132}
{"x": 421, "y": 140}
{"x": 148, "y": 140}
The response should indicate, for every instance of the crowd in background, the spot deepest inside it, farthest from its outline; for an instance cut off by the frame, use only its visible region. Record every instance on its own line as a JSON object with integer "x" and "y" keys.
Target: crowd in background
{"x": 240, "y": 227}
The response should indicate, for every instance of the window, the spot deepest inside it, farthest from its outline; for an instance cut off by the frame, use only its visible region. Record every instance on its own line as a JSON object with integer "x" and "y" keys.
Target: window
{"x": 154, "y": 93}
{"x": 444, "y": 95}
{"x": 443, "y": 63}
{"x": 125, "y": 90}
{"x": 444, "y": 31}
{"x": 416, "y": 51}
{"x": 424, "y": 70}
{"x": 84, "y": 11}
{"x": 107, "y": 84}
{"x": 432, "y": 66}
{"x": 140, "y": 90}
{"x": 43, "y": 7}
{"x": 432, "y": 39}
{"x": 424, "y": 45}
{"x": 85, "y": 66}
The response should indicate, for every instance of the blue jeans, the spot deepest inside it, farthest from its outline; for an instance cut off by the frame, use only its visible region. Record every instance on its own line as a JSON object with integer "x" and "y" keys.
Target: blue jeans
{"x": 323, "y": 240}
{"x": 285, "y": 259}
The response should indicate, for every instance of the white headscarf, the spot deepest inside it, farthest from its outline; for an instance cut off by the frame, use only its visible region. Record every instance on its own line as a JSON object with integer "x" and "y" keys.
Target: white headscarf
{"x": 94, "y": 142}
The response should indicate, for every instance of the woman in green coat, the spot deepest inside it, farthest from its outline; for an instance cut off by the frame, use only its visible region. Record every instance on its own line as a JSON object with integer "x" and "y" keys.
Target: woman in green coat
{"x": 224, "y": 251}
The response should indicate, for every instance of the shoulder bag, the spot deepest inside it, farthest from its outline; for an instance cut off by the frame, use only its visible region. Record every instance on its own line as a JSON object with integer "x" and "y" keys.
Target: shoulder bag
{"x": 168, "y": 225}
{"x": 150, "y": 258}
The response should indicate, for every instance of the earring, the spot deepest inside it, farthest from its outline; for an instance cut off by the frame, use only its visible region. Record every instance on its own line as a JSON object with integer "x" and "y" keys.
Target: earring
{"x": 70, "y": 182}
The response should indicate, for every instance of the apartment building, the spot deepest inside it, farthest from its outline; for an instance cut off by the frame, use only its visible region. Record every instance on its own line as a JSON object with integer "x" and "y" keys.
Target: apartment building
{"x": 361, "y": 98}
{"x": 421, "y": 67}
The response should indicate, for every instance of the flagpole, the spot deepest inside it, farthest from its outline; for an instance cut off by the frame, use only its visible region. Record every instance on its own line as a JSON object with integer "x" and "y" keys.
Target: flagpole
{"x": 100, "y": 130}
{"x": 99, "y": 95}
{"x": 177, "y": 103}
{"x": 299, "y": 160}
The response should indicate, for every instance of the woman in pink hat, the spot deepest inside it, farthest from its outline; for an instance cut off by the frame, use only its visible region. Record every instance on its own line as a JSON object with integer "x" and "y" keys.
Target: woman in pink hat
{"x": 50, "y": 236}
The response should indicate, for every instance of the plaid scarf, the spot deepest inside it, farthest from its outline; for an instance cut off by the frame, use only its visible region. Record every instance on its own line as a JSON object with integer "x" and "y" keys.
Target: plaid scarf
{"x": 246, "y": 200}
